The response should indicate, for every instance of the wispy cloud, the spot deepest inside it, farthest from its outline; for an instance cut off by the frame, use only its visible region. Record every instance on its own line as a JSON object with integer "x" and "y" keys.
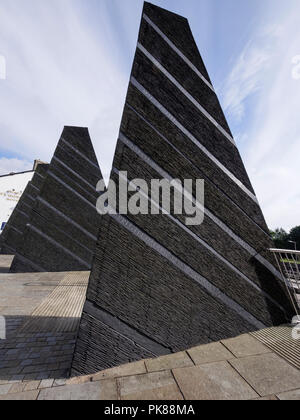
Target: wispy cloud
{"x": 14, "y": 165}
{"x": 246, "y": 77}
{"x": 262, "y": 98}
{"x": 59, "y": 72}
{"x": 68, "y": 63}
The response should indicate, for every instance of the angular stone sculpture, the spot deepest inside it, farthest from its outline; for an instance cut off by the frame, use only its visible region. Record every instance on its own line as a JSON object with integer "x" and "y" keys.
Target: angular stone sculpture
{"x": 62, "y": 231}
{"x": 12, "y": 235}
{"x": 158, "y": 286}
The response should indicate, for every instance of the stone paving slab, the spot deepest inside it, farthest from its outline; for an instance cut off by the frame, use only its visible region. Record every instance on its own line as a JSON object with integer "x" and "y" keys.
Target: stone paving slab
{"x": 5, "y": 263}
{"x": 158, "y": 385}
{"x": 169, "y": 362}
{"x": 290, "y": 396}
{"x": 215, "y": 381}
{"x": 23, "y": 396}
{"x": 130, "y": 369}
{"x": 269, "y": 398}
{"x": 244, "y": 346}
{"x": 268, "y": 373}
{"x": 209, "y": 353}
{"x": 101, "y": 390}
{"x": 35, "y": 365}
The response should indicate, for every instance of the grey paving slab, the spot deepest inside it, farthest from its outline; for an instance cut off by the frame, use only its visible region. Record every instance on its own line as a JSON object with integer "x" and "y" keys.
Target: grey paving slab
{"x": 23, "y": 396}
{"x": 269, "y": 398}
{"x": 290, "y": 396}
{"x": 102, "y": 390}
{"x": 130, "y": 369}
{"x": 268, "y": 374}
{"x": 5, "y": 263}
{"x": 32, "y": 386}
{"x": 169, "y": 362}
{"x": 215, "y": 381}
{"x": 209, "y": 353}
{"x": 245, "y": 345}
{"x": 4, "y": 389}
{"x": 158, "y": 385}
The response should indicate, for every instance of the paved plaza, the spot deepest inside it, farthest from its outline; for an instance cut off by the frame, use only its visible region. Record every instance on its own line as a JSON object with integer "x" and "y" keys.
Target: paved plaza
{"x": 42, "y": 313}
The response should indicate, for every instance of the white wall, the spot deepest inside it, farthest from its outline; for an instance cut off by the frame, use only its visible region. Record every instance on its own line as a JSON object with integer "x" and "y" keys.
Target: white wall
{"x": 11, "y": 189}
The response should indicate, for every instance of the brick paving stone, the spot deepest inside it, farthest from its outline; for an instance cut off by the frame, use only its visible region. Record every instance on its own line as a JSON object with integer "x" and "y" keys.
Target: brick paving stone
{"x": 21, "y": 346}
{"x": 17, "y": 378}
{"x": 43, "y": 375}
{"x": 13, "y": 351}
{"x": 34, "y": 369}
{"x": 30, "y": 377}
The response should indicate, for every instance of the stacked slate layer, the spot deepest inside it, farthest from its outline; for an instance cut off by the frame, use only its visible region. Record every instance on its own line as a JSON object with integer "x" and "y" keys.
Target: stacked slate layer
{"x": 158, "y": 286}
{"x": 62, "y": 231}
{"x": 12, "y": 235}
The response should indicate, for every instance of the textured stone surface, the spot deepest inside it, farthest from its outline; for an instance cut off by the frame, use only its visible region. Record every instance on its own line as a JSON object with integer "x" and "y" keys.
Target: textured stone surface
{"x": 214, "y": 352}
{"x": 12, "y": 235}
{"x": 137, "y": 368}
{"x": 102, "y": 390}
{"x": 40, "y": 330}
{"x": 290, "y": 396}
{"x": 212, "y": 381}
{"x": 268, "y": 373}
{"x": 152, "y": 386}
{"x": 62, "y": 231}
{"x": 157, "y": 286}
{"x": 23, "y": 396}
{"x": 244, "y": 346}
{"x": 169, "y": 362}
{"x": 5, "y": 263}
{"x": 216, "y": 381}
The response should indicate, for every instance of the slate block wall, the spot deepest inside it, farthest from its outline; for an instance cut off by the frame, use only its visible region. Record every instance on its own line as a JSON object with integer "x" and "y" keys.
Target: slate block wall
{"x": 12, "y": 235}
{"x": 62, "y": 231}
{"x": 158, "y": 286}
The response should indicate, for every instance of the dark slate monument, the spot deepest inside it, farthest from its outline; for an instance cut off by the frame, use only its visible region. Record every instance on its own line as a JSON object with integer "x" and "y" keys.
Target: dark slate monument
{"x": 62, "y": 231}
{"x": 12, "y": 235}
{"x": 158, "y": 286}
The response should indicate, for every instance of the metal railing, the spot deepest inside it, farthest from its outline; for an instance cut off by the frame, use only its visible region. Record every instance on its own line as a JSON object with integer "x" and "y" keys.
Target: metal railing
{"x": 288, "y": 262}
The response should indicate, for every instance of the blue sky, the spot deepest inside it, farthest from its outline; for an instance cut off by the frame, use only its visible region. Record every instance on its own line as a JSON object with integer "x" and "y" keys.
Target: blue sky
{"x": 68, "y": 63}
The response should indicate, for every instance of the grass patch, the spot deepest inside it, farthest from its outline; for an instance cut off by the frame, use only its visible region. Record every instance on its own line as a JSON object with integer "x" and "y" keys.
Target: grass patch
{"x": 290, "y": 261}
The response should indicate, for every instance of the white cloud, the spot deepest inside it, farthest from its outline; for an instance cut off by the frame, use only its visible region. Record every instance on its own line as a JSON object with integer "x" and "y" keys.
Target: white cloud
{"x": 59, "y": 73}
{"x": 245, "y": 78}
{"x": 270, "y": 124}
{"x": 14, "y": 165}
